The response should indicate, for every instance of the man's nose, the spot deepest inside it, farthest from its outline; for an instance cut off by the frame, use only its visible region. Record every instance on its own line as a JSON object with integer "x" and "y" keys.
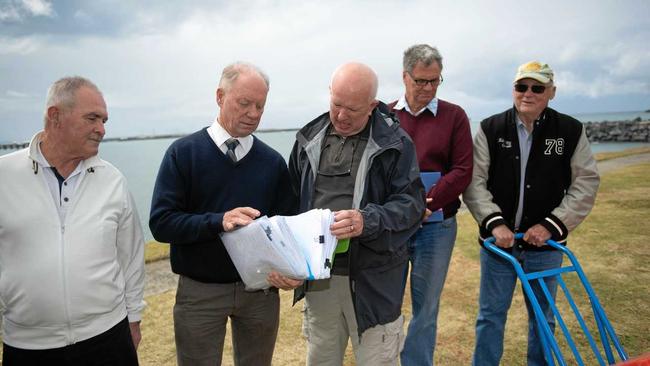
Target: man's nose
{"x": 254, "y": 112}
{"x": 101, "y": 129}
{"x": 529, "y": 92}
{"x": 428, "y": 86}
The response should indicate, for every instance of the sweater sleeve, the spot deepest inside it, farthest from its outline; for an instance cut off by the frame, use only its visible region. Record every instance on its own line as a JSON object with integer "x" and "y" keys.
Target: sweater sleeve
{"x": 477, "y": 197}
{"x": 169, "y": 220}
{"x": 454, "y": 182}
{"x": 580, "y": 196}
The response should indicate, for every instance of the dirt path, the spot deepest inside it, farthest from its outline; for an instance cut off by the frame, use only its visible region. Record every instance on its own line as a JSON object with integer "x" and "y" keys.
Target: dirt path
{"x": 613, "y": 164}
{"x": 159, "y": 277}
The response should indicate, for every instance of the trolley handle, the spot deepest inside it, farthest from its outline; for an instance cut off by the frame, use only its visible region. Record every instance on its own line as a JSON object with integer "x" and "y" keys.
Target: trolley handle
{"x": 550, "y": 242}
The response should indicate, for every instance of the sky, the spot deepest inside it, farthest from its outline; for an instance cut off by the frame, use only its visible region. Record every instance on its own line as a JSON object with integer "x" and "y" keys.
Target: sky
{"x": 158, "y": 62}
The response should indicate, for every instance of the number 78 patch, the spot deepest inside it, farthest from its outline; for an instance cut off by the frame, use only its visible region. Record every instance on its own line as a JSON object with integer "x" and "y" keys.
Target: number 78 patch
{"x": 556, "y": 145}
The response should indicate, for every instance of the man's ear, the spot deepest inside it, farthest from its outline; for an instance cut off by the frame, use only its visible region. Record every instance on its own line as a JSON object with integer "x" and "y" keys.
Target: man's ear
{"x": 53, "y": 114}
{"x": 220, "y": 95}
{"x": 373, "y": 104}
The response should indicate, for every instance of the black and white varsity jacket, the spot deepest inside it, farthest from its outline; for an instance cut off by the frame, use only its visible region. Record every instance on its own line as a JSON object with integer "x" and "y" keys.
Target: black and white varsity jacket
{"x": 561, "y": 178}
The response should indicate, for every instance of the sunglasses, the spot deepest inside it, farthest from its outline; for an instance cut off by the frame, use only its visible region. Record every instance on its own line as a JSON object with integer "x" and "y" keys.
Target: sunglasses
{"x": 537, "y": 89}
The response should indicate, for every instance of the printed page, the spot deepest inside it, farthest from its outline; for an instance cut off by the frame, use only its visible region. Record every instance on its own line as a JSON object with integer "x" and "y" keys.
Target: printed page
{"x": 252, "y": 251}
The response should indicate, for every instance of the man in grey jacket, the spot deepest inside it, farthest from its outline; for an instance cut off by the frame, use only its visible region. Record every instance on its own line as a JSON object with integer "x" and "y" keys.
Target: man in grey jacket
{"x": 533, "y": 173}
{"x": 355, "y": 160}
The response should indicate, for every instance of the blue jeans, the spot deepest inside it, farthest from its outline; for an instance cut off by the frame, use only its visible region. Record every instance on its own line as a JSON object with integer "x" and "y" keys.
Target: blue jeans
{"x": 498, "y": 280}
{"x": 430, "y": 252}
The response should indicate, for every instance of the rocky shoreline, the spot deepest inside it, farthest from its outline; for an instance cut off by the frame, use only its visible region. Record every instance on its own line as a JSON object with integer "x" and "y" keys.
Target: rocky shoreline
{"x": 636, "y": 130}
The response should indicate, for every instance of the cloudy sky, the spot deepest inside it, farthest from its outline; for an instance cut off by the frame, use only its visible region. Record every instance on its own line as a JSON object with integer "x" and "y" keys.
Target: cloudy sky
{"x": 158, "y": 62}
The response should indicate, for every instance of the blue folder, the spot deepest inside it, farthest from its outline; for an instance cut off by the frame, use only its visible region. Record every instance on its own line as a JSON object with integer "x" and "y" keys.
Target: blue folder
{"x": 430, "y": 179}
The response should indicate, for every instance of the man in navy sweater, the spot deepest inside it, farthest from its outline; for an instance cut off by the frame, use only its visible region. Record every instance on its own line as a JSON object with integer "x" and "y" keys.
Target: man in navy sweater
{"x": 215, "y": 180}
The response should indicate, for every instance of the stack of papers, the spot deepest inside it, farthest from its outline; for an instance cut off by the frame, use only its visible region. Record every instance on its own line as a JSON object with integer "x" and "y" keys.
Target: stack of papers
{"x": 300, "y": 247}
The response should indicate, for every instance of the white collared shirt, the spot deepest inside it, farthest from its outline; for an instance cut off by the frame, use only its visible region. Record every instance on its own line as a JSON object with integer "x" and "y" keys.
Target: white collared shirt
{"x": 219, "y": 135}
{"x": 402, "y": 104}
{"x": 62, "y": 196}
{"x": 525, "y": 144}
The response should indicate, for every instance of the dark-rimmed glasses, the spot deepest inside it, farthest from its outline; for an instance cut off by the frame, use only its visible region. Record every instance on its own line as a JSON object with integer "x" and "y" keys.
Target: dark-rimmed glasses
{"x": 421, "y": 83}
{"x": 537, "y": 89}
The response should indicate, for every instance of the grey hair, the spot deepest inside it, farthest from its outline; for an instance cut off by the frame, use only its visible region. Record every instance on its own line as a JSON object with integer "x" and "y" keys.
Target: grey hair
{"x": 232, "y": 71}
{"x": 421, "y": 53}
{"x": 62, "y": 92}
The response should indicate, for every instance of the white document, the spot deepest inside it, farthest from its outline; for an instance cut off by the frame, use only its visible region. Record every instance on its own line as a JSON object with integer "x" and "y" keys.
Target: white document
{"x": 299, "y": 247}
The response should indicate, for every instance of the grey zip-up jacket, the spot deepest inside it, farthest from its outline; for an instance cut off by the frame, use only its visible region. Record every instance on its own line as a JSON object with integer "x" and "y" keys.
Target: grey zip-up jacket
{"x": 391, "y": 197}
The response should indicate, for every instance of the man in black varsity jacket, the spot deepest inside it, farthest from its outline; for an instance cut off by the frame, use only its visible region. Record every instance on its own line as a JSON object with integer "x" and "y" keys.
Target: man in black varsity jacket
{"x": 212, "y": 181}
{"x": 533, "y": 173}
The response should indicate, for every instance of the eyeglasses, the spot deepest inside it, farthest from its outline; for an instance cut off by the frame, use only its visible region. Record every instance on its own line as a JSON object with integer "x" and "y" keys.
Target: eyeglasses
{"x": 423, "y": 82}
{"x": 537, "y": 89}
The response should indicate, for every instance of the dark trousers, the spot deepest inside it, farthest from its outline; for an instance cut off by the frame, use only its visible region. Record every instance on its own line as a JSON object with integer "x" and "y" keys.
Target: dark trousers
{"x": 202, "y": 311}
{"x": 111, "y": 348}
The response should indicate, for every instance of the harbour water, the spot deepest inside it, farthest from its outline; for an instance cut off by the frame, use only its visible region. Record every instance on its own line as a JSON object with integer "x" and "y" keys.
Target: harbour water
{"x": 139, "y": 160}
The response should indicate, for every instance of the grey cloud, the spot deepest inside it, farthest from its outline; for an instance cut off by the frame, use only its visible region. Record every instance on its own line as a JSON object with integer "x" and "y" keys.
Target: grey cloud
{"x": 38, "y": 7}
{"x": 158, "y": 65}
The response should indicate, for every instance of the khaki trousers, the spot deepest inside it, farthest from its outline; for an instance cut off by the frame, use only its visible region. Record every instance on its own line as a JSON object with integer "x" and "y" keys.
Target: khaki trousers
{"x": 201, "y": 313}
{"x": 329, "y": 322}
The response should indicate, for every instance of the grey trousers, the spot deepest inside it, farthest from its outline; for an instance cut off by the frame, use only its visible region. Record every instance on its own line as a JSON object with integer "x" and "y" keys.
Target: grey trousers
{"x": 201, "y": 313}
{"x": 329, "y": 322}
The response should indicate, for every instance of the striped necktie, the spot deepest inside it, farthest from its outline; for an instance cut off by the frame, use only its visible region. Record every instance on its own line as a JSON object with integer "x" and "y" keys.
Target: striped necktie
{"x": 232, "y": 144}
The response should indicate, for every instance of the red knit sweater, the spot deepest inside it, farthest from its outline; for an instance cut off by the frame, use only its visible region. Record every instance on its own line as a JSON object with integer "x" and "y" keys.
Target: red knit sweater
{"x": 443, "y": 144}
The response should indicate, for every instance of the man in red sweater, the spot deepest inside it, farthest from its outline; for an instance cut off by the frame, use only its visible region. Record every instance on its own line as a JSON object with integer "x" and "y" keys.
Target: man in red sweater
{"x": 443, "y": 141}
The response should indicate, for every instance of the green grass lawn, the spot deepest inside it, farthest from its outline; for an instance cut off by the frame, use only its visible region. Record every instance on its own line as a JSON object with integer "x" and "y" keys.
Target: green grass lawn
{"x": 611, "y": 246}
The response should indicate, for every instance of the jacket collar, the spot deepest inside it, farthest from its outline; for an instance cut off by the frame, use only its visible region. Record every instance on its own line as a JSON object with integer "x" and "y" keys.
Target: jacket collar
{"x": 91, "y": 162}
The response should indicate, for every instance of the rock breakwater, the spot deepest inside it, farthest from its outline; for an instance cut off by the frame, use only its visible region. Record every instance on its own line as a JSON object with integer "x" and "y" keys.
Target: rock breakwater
{"x": 619, "y": 131}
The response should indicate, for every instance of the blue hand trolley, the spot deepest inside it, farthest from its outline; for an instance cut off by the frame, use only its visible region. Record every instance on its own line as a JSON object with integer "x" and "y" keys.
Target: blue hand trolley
{"x": 551, "y": 348}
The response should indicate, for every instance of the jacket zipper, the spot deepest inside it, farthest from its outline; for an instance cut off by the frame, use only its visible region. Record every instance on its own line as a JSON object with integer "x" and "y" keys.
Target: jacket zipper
{"x": 71, "y": 338}
{"x": 66, "y": 310}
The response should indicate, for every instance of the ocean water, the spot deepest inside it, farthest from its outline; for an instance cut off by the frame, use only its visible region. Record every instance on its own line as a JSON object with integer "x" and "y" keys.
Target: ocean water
{"x": 139, "y": 160}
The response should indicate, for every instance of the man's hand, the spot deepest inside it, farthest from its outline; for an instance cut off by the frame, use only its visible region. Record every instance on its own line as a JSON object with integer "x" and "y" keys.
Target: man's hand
{"x": 240, "y": 216}
{"x": 427, "y": 212}
{"x": 537, "y": 235}
{"x": 505, "y": 238}
{"x": 347, "y": 224}
{"x": 135, "y": 333}
{"x": 283, "y": 282}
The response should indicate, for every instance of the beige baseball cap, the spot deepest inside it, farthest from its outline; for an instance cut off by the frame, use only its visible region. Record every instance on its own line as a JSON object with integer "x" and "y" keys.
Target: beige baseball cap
{"x": 535, "y": 70}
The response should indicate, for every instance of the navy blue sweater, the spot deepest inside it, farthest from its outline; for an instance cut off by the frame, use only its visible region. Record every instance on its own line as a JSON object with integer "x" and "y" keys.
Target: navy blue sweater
{"x": 196, "y": 185}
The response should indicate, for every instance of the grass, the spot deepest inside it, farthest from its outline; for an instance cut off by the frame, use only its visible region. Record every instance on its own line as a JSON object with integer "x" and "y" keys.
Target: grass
{"x": 611, "y": 245}
{"x": 154, "y": 251}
